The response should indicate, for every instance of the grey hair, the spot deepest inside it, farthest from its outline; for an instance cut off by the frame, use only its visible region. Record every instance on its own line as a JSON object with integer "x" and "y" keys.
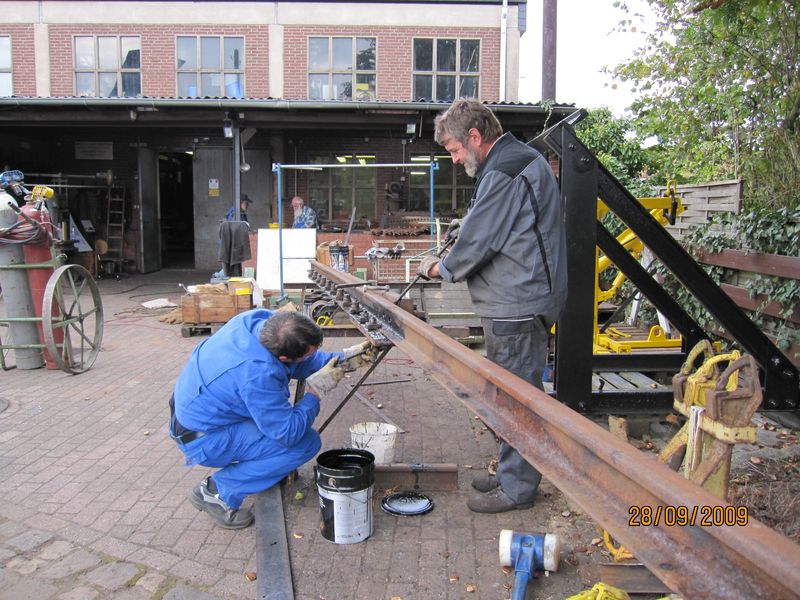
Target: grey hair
{"x": 290, "y": 334}
{"x": 463, "y": 115}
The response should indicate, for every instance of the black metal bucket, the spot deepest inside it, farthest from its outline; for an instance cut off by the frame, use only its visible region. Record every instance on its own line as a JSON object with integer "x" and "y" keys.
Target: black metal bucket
{"x": 344, "y": 481}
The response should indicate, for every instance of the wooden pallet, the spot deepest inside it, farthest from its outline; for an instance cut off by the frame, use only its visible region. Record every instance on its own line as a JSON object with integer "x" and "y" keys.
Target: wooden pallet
{"x": 190, "y": 329}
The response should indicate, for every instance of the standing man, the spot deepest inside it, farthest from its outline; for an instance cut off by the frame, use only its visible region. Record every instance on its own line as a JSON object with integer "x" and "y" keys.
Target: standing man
{"x": 510, "y": 249}
{"x": 304, "y": 216}
{"x": 231, "y": 409}
{"x": 244, "y": 204}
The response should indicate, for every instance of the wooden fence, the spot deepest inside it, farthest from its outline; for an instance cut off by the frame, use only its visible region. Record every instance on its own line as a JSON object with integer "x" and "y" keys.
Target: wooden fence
{"x": 787, "y": 267}
{"x": 702, "y": 200}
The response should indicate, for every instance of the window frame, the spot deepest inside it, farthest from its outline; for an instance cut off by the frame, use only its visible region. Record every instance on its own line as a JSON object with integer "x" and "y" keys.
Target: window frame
{"x": 330, "y": 185}
{"x": 453, "y": 187}
{"x": 434, "y": 73}
{"x": 97, "y": 70}
{"x": 10, "y": 69}
{"x": 353, "y": 70}
{"x": 198, "y": 70}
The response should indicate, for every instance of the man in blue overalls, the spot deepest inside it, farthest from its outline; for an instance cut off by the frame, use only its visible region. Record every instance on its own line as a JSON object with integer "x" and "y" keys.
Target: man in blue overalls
{"x": 231, "y": 409}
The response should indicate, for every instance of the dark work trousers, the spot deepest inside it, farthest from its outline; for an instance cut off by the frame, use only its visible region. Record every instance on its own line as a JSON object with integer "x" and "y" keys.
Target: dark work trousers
{"x": 520, "y": 346}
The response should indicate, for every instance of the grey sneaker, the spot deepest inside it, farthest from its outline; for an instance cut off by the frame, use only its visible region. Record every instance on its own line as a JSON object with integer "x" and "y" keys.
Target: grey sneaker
{"x": 494, "y": 501}
{"x": 226, "y": 517}
{"x": 485, "y": 482}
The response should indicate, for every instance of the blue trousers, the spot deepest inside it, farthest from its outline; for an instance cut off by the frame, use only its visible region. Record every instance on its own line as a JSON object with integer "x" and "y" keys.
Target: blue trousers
{"x": 248, "y": 461}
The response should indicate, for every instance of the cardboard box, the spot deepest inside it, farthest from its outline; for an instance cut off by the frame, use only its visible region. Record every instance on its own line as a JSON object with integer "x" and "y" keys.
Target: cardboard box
{"x": 238, "y": 286}
{"x": 213, "y": 308}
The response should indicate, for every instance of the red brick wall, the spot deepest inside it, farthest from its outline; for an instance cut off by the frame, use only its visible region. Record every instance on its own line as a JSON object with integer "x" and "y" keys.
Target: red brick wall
{"x": 158, "y": 54}
{"x": 23, "y": 64}
{"x": 394, "y": 56}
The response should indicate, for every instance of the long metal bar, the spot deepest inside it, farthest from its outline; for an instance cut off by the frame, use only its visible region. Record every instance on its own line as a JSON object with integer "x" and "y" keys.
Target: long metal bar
{"x": 352, "y": 392}
{"x": 603, "y": 475}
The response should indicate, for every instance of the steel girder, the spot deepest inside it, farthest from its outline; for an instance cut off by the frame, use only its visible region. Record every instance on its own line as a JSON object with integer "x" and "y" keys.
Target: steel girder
{"x": 600, "y": 473}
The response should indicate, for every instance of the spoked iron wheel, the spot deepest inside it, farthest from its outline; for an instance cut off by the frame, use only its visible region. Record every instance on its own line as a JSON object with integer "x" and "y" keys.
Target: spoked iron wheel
{"x": 72, "y": 318}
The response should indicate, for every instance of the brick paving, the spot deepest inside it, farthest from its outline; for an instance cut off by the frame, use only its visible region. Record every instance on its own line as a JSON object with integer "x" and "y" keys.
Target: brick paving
{"x": 95, "y": 505}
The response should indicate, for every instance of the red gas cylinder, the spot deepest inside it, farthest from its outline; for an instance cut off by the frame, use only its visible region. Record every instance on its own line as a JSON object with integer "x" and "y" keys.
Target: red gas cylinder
{"x": 38, "y": 251}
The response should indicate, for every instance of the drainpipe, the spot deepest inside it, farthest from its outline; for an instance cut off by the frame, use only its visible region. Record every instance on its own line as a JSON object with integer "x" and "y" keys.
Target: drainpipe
{"x": 503, "y": 49}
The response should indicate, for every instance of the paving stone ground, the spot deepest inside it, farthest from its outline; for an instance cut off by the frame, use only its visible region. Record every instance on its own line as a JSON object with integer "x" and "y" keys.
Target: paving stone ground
{"x": 95, "y": 502}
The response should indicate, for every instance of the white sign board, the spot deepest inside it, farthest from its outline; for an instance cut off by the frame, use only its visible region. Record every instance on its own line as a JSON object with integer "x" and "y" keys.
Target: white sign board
{"x": 299, "y": 249}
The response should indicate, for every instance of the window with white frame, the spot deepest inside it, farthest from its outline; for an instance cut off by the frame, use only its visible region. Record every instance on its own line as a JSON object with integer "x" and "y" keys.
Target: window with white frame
{"x": 210, "y": 66}
{"x": 446, "y": 69}
{"x": 108, "y": 66}
{"x": 342, "y": 68}
{"x": 6, "y": 77}
{"x": 452, "y": 187}
{"x": 332, "y": 191}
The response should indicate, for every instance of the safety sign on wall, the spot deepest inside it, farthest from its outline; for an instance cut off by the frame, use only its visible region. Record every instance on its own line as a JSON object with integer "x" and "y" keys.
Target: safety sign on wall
{"x": 213, "y": 187}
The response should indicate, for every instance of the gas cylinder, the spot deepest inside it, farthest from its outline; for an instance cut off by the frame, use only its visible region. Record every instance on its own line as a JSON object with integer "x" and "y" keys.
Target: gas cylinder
{"x": 38, "y": 252}
{"x": 16, "y": 292}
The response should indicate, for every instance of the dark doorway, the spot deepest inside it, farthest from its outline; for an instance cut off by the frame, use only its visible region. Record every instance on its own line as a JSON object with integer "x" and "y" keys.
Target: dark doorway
{"x": 177, "y": 210}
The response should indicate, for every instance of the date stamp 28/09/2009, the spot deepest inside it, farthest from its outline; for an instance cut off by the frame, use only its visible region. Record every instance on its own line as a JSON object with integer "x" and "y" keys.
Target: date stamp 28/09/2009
{"x": 682, "y": 516}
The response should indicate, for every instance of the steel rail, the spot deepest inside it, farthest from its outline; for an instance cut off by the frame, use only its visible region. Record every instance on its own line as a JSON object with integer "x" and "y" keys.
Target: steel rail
{"x": 603, "y": 475}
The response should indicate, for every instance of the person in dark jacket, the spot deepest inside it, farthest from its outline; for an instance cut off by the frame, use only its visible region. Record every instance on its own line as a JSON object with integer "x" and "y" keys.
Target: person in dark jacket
{"x": 230, "y": 408}
{"x": 511, "y": 251}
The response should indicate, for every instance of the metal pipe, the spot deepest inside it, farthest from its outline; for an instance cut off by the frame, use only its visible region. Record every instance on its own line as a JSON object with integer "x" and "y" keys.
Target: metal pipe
{"x": 603, "y": 475}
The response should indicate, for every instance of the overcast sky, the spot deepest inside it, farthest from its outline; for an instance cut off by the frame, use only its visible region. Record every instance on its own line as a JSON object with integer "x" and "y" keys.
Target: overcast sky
{"x": 586, "y": 43}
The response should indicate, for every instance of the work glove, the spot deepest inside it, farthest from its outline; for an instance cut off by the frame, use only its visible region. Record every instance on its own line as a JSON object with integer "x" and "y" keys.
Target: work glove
{"x": 327, "y": 378}
{"x": 426, "y": 265}
{"x": 451, "y": 235}
{"x": 360, "y": 355}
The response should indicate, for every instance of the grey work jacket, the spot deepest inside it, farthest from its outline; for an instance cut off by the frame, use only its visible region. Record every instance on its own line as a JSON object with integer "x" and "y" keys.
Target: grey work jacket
{"x": 511, "y": 249}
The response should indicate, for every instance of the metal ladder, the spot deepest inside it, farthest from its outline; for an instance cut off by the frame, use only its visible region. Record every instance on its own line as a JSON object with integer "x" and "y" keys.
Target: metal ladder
{"x": 115, "y": 230}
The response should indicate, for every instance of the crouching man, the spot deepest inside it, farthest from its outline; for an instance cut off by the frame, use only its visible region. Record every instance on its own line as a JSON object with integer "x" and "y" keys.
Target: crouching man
{"x": 231, "y": 406}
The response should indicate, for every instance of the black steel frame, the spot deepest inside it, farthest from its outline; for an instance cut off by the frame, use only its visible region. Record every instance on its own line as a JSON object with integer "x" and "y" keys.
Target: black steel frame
{"x": 583, "y": 180}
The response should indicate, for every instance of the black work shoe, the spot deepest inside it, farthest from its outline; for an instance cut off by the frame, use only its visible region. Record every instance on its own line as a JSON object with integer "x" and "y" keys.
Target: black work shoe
{"x": 226, "y": 517}
{"x": 494, "y": 501}
{"x": 485, "y": 482}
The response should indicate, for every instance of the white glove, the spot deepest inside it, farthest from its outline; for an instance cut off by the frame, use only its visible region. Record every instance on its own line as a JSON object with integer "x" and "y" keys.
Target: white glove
{"x": 453, "y": 230}
{"x": 360, "y": 355}
{"x": 426, "y": 265}
{"x": 327, "y": 378}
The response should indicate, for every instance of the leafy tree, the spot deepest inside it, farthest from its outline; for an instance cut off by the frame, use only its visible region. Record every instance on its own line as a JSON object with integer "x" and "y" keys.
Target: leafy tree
{"x": 719, "y": 86}
{"x": 615, "y": 144}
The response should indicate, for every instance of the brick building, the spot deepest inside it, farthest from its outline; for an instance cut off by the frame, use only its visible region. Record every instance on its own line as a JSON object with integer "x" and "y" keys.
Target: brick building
{"x": 168, "y": 103}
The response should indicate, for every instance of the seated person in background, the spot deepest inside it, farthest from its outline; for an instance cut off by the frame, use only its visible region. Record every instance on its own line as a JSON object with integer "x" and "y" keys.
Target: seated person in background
{"x": 244, "y": 204}
{"x": 304, "y": 216}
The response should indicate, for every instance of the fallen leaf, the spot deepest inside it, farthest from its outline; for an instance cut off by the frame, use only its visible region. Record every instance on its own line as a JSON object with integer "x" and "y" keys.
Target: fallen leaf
{"x": 453, "y": 578}
{"x": 755, "y": 460}
{"x": 379, "y": 405}
{"x": 597, "y": 541}
{"x": 671, "y": 419}
{"x": 467, "y": 466}
{"x": 580, "y": 549}
{"x": 146, "y": 432}
{"x": 396, "y": 598}
{"x": 507, "y": 570}
{"x": 507, "y": 586}
{"x": 470, "y": 588}
{"x": 299, "y": 495}
{"x": 251, "y": 576}
{"x": 298, "y": 536}
{"x": 566, "y": 513}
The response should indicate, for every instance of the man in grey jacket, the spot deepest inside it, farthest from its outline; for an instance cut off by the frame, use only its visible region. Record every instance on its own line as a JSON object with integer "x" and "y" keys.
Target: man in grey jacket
{"x": 510, "y": 249}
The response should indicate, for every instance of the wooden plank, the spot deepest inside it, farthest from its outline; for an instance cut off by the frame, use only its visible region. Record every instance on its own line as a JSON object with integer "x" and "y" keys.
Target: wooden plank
{"x": 642, "y": 381}
{"x": 616, "y": 381}
{"x": 760, "y": 303}
{"x": 756, "y": 262}
{"x": 272, "y": 548}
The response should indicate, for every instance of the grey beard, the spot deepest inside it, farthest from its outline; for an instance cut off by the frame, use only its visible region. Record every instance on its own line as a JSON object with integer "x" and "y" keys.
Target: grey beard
{"x": 298, "y": 212}
{"x": 472, "y": 163}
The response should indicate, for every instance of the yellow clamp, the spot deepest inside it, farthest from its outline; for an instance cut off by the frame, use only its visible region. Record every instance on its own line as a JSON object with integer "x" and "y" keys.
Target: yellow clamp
{"x": 324, "y": 321}
{"x": 724, "y": 433}
{"x": 618, "y": 553}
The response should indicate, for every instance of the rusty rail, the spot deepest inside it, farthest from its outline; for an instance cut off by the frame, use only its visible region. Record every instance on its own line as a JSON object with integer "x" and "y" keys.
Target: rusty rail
{"x": 601, "y": 474}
